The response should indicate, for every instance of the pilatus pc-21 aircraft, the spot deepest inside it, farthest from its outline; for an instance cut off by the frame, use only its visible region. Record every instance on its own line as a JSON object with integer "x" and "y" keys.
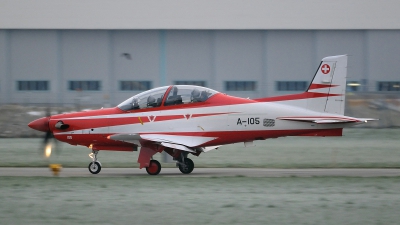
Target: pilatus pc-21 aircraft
{"x": 185, "y": 119}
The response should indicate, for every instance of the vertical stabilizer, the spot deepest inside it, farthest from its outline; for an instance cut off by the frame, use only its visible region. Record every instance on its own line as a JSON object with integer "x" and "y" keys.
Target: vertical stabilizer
{"x": 327, "y": 90}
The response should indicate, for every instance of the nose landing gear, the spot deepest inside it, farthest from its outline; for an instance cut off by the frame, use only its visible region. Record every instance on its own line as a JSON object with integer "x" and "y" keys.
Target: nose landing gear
{"x": 95, "y": 166}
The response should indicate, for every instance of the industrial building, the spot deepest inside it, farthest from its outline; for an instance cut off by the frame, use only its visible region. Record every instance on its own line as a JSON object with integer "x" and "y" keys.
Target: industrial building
{"x": 102, "y": 52}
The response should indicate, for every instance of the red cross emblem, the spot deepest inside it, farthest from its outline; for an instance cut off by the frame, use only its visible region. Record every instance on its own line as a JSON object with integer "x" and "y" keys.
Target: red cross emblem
{"x": 325, "y": 68}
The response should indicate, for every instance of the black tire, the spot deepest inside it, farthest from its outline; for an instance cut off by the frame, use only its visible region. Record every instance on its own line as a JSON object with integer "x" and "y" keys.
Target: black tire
{"x": 94, "y": 168}
{"x": 188, "y": 167}
{"x": 154, "y": 167}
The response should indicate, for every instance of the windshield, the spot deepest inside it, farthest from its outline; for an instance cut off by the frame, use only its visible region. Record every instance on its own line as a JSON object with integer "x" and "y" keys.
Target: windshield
{"x": 147, "y": 99}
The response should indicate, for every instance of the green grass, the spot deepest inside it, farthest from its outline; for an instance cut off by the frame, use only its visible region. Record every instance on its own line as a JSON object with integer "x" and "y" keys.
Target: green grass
{"x": 368, "y": 148}
{"x": 214, "y": 200}
{"x": 189, "y": 200}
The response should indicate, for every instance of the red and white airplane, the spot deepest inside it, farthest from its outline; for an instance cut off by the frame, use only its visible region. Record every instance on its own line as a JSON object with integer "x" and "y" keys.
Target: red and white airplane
{"x": 184, "y": 119}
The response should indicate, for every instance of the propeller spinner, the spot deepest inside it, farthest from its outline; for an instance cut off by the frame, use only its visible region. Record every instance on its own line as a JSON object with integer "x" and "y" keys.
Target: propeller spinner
{"x": 42, "y": 125}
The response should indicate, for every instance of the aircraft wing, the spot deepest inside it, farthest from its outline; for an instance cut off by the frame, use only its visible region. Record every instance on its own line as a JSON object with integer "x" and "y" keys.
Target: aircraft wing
{"x": 327, "y": 120}
{"x": 185, "y": 143}
{"x": 130, "y": 138}
{"x": 190, "y": 141}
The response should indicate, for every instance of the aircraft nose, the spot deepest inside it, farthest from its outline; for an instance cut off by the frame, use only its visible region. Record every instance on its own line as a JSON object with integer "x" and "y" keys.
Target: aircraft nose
{"x": 41, "y": 124}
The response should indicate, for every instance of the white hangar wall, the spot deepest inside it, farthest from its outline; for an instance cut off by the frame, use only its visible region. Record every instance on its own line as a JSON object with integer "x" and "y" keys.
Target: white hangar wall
{"x": 166, "y": 56}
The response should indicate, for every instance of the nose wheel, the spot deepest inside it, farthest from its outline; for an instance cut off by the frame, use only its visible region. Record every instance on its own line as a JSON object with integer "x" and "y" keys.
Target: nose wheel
{"x": 95, "y": 166}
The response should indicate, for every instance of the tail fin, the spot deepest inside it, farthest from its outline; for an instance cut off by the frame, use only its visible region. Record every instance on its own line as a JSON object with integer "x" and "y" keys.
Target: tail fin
{"x": 328, "y": 88}
{"x": 326, "y": 92}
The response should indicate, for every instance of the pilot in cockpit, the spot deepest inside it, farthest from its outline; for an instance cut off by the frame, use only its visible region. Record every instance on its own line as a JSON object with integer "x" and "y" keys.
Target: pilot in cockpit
{"x": 174, "y": 99}
{"x": 135, "y": 103}
{"x": 198, "y": 96}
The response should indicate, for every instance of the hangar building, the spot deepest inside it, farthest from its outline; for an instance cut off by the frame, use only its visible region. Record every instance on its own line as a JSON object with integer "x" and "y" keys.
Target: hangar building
{"x": 101, "y": 52}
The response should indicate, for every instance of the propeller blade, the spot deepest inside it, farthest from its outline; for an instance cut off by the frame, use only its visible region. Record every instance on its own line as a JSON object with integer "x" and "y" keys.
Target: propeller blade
{"x": 49, "y": 144}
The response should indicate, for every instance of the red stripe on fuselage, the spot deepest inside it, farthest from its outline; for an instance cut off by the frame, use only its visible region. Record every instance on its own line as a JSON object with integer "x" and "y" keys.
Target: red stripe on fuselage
{"x": 91, "y": 123}
{"x": 304, "y": 95}
{"x": 168, "y": 117}
{"x": 210, "y": 114}
{"x": 96, "y": 112}
{"x": 175, "y": 117}
{"x": 318, "y": 86}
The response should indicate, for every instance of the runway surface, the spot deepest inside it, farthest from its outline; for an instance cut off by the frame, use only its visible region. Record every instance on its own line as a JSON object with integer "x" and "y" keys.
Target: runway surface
{"x": 202, "y": 172}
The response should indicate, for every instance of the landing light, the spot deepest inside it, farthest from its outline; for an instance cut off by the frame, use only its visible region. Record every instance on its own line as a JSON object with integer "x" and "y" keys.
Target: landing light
{"x": 47, "y": 151}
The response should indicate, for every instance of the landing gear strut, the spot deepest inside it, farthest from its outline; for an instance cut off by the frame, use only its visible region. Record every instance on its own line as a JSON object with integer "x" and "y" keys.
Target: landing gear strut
{"x": 185, "y": 164}
{"x": 95, "y": 166}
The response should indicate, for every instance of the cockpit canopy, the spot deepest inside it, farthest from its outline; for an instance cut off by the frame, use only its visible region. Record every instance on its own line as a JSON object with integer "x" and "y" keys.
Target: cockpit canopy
{"x": 177, "y": 94}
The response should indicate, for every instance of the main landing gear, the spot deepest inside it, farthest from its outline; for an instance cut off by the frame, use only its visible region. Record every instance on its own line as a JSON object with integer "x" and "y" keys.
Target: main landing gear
{"x": 95, "y": 166}
{"x": 185, "y": 164}
{"x": 154, "y": 167}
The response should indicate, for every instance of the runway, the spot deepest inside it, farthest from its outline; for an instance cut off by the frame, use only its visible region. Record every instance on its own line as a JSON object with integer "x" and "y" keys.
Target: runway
{"x": 202, "y": 172}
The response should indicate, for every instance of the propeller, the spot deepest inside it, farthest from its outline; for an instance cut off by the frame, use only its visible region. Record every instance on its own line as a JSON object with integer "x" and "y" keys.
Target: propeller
{"x": 49, "y": 143}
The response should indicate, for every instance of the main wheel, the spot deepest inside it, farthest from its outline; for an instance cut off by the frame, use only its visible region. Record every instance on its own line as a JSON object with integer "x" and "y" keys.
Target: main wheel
{"x": 154, "y": 167}
{"x": 94, "y": 167}
{"x": 188, "y": 167}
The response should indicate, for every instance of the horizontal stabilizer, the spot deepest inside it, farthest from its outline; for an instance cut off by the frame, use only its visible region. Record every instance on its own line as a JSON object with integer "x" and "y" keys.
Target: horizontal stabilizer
{"x": 327, "y": 120}
{"x": 333, "y": 121}
{"x": 367, "y": 119}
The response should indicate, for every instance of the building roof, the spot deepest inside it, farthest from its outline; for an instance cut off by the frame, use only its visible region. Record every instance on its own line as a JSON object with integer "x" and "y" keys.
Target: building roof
{"x": 199, "y": 14}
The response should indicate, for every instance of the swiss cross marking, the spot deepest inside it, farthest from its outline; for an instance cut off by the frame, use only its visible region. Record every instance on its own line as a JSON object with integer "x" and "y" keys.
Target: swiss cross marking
{"x": 325, "y": 68}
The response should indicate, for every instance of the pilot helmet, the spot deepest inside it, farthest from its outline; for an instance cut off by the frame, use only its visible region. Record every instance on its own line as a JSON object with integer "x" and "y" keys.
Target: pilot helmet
{"x": 151, "y": 99}
{"x": 195, "y": 93}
